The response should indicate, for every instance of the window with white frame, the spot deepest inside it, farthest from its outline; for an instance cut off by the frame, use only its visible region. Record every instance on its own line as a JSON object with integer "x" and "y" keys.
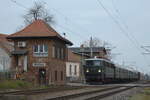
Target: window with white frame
{"x": 21, "y": 44}
{"x": 40, "y": 50}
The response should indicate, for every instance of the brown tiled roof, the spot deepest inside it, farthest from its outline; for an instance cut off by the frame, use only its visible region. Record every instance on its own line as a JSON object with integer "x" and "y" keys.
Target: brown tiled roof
{"x": 5, "y": 44}
{"x": 38, "y": 29}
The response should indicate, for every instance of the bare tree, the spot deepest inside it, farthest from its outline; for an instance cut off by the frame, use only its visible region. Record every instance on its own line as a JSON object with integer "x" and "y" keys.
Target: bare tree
{"x": 38, "y": 11}
{"x": 95, "y": 42}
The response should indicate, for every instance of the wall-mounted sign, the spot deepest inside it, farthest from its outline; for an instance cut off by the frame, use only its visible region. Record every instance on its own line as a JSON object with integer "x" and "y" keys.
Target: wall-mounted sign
{"x": 39, "y": 64}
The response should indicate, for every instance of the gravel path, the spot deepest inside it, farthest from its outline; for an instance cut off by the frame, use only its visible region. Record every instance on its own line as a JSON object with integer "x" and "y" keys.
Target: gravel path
{"x": 62, "y": 93}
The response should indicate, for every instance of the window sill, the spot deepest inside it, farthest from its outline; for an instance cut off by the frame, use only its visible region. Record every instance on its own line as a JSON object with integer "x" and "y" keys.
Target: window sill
{"x": 40, "y": 54}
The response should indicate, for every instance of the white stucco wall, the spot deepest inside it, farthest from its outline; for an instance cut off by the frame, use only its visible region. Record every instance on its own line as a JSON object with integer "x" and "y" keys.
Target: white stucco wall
{"x": 72, "y": 73}
{"x": 5, "y": 60}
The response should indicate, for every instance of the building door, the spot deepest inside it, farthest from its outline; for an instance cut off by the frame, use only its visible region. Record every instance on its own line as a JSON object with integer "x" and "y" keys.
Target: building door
{"x": 42, "y": 76}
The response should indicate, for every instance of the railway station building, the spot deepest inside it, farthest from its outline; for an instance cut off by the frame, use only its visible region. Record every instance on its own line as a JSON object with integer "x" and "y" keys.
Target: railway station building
{"x": 39, "y": 54}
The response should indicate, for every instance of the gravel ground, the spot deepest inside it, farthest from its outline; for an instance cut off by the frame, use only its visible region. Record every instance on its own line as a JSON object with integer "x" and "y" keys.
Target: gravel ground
{"x": 62, "y": 93}
{"x": 124, "y": 95}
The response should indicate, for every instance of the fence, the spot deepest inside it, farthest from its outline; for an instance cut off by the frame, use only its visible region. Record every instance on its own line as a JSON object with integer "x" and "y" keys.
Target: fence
{"x": 6, "y": 75}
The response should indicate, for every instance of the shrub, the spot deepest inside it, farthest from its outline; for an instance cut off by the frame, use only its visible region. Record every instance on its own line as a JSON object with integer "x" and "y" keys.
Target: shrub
{"x": 14, "y": 84}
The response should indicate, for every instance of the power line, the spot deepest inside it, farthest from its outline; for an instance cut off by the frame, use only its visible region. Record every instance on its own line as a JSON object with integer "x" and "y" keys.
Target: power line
{"x": 14, "y": 1}
{"x": 125, "y": 25}
{"x": 116, "y": 21}
{"x": 78, "y": 35}
{"x": 65, "y": 28}
{"x": 69, "y": 20}
{"x": 146, "y": 48}
{"x": 127, "y": 28}
{"x": 119, "y": 25}
{"x": 123, "y": 22}
{"x": 81, "y": 37}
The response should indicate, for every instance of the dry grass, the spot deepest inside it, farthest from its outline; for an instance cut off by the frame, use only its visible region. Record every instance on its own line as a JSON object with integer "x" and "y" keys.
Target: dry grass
{"x": 145, "y": 95}
{"x": 14, "y": 84}
{"x": 8, "y": 85}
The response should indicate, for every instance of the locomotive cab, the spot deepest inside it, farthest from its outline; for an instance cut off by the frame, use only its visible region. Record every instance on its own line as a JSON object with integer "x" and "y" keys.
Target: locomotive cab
{"x": 93, "y": 70}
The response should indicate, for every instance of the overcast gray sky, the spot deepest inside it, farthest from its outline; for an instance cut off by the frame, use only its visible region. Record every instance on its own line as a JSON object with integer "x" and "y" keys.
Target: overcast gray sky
{"x": 80, "y": 19}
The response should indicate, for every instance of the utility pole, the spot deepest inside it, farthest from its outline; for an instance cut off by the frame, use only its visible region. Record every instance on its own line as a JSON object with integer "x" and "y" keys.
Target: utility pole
{"x": 82, "y": 60}
{"x": 91, "y": 46}
{"x": 147, "y": 50}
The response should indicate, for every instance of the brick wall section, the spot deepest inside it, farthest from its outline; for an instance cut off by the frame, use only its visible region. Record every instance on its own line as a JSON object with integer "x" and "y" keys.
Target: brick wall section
{"x": 52, "y": 64}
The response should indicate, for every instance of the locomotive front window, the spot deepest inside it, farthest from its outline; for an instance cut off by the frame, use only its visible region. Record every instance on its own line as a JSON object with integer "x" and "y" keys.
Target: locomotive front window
{"x": 93, "y": 63}
{"x": 96, "y": 63}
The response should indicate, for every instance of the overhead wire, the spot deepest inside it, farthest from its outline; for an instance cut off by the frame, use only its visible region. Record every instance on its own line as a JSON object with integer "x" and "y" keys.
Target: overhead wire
{"x": 116, "y": 21}
{"x": 71, "y": 31}
{"x": 67, "y": 19}
{"x": 123, "y": 22}
{"x": 119, "y": 25}
{"x": 19, "y": 4}
{"x": 70, "y": 20}
{"x": 127, "y": 28}
{"x": 65, "y": 28}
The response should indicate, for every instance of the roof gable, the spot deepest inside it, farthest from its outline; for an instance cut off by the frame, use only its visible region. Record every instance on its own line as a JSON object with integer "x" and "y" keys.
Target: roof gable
{"x": 38, "y": 29}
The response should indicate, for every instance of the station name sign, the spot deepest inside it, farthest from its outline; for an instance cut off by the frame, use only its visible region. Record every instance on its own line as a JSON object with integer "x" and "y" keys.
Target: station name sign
{"x": 39, "y": 64}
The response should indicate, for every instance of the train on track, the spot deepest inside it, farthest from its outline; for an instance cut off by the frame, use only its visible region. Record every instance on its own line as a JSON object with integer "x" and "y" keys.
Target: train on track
{"x": 97, "y": 70}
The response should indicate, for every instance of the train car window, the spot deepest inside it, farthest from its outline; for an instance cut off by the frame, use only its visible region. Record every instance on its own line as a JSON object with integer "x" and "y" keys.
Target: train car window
{"x": 89, "y": 62}
{"x": 107, "y": 64}
{"x": 96, "y": 63}
{"x": 93, "y": 63}
{"x": 104, "y": 63}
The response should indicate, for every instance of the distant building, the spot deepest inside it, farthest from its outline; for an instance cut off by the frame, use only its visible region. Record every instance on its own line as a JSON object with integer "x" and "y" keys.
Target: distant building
{"x": 5, "y": 53}
{"x": 99, "y": 52}
{"x": 40, "y": 54}
{"x": 74, "y": 66}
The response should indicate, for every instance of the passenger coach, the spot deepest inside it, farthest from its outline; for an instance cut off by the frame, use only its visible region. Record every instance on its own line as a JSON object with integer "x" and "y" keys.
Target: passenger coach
{"x": 98, "y": 70}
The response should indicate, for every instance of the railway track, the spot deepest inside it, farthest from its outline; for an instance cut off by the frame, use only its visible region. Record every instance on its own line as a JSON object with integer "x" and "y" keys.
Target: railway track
{"x": 94, "y": 95}
{"x": 25, "y": 92}
{"x": 34, "y": 92}
{"x": 107, "y": 94}
{"x": 88, "y": 95}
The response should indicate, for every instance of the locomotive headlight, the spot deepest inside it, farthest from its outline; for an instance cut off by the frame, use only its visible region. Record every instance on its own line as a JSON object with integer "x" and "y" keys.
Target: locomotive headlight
{"x": 87, "y": 70}
{"x": 99, "y": 70}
